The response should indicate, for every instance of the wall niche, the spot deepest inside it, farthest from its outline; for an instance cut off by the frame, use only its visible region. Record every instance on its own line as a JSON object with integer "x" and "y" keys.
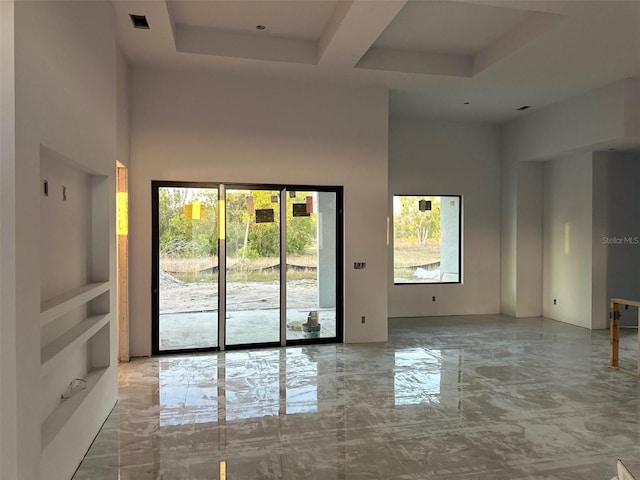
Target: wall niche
{"x": 75, "y": 290}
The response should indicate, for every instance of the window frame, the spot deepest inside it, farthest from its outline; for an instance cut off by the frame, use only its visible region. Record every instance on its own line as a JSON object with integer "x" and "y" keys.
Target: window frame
{"x": 460, "y": 230}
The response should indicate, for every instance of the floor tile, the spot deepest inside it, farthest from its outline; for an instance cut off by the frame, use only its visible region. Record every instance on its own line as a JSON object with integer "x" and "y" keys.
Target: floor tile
{"x": 481, "y": 397}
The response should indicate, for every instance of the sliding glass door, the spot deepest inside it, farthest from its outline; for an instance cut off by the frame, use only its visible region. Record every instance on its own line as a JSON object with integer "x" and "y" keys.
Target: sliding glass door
{"x": 187, "y": 275}
{"x": 312, "y": 261}
{"x": 253, "y": 267}
{"x": 237, "y": 266}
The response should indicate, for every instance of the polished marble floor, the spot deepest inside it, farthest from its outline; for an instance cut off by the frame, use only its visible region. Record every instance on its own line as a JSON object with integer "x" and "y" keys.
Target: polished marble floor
{"x": 481, "y": 397}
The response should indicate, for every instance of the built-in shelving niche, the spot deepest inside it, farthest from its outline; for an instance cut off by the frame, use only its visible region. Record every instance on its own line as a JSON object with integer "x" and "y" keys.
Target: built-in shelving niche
{"x": 75, "y": 294}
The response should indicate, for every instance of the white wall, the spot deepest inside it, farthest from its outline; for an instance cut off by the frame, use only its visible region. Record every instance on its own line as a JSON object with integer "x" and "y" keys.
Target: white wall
{"x": 529, "y": 239}
{"x": 65, "y": 97}
{"x": 122, "y": 108}
{"x": 597, "y": 117}
{"x": 593, "y": 121}
{"x": 451, "y": 158}
{"x": 621, "y": 242}
{"x": 599, "y": 260}
{"x": 66, "y": 225}
{"x": 508, "y": 237}
{"x": 192, "y": 127}
{"x": 632, "y": 110}
{"x": 567, "y": 266}
{"x": 8, "y": 377}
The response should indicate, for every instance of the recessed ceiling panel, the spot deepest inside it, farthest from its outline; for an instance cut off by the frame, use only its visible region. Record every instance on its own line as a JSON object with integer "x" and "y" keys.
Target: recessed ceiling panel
{"x": 291, "y": 19}
{"x": 448, "y": 27}
{"x": 495, "y": 54}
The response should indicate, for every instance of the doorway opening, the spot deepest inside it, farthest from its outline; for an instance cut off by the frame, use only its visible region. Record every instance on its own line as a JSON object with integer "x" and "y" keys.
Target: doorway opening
{"x": 122, "y": 207}
{"x": 240, "y": 266}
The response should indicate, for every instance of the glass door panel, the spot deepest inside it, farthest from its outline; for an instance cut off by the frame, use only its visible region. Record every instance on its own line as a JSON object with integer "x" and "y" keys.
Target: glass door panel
{"x": 311, "y": 264}
{"x": 253, "y": 266}
{"x": 188, "y": 268}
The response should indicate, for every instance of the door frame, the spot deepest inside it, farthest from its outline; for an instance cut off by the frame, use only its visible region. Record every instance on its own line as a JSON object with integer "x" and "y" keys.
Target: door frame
{"x": 222, "y": 188}
{"x": 122, "y": 262}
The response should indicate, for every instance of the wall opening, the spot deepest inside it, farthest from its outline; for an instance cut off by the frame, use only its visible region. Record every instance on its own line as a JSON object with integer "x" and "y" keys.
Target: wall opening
{"x": 122, "y": 202}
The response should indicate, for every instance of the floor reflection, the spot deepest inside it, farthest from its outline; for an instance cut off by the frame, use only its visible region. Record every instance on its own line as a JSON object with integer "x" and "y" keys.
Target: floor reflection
{"x": 301, "y": 384}
{"x": 484, "y": 398}
{"x": 188, "y": 397}
{"x": 416, "y": 376}
{"x": 246, "y": 385}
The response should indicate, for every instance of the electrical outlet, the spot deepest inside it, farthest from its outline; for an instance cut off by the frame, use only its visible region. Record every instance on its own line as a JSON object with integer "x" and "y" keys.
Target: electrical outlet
{"x": 433, "y": 299}
{"x": 359, "y": 265}
{"x": 363, "y": 319}
{"x": 555, "y": 301}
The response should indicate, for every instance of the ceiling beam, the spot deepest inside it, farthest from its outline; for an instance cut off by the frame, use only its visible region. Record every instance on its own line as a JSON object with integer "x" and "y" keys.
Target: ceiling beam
{"x": 354, "y": 26}
{"x": 425, "y": 63}
{"x": 536, "y": 25}
{"x": 227, "y": 44}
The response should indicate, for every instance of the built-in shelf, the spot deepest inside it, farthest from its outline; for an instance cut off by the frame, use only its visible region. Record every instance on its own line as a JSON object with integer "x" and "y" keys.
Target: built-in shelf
{"x": 75, "y": 326}
{"x": 79, "y": 334}
{"x": 65, "y": 410}
{"x": 62, "y": 304}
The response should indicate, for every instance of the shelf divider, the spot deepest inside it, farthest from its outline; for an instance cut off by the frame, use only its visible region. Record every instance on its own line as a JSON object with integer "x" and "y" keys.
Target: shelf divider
{"x": 65, "y": 410}
{"x": 80, "y": 333}
{"x": 62, "y": 304}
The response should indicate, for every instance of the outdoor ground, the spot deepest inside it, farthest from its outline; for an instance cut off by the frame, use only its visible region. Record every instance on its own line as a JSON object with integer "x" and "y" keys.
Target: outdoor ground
{"x": 189, "y": 297}
{"x": 178, "y": 296}
{"x": 189, "y": 302}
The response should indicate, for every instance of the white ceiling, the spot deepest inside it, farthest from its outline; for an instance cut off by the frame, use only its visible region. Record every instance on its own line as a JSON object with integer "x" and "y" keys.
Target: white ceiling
{"x": 284, "y": 18}
{"x": 434, "y": 55}
{"x": 428, "y": 26}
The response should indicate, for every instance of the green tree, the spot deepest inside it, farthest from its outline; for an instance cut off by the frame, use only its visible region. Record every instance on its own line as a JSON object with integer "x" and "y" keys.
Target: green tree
{"x": 301, "y": 231}
{"x": 413, "y": 224}
{"x": 264, "y": 238}
{"x": 181, "y": 236}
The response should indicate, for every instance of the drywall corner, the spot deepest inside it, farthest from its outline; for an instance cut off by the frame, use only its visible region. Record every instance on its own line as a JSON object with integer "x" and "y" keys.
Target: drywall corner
{"x": 8, "y": 364}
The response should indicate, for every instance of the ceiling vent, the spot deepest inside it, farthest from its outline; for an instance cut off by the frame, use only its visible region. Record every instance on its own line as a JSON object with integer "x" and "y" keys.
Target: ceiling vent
{"x": 523, "y": 108}
{"x": 139, "y": 21}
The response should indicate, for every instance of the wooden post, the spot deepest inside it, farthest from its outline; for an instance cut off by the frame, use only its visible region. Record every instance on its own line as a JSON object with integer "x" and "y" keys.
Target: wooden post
{"x": 614, "y": 333}
{"x": 123, "y": 263}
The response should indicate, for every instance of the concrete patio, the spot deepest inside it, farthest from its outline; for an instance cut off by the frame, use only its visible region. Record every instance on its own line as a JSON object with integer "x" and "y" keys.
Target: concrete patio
{"x": 185, "y": 330}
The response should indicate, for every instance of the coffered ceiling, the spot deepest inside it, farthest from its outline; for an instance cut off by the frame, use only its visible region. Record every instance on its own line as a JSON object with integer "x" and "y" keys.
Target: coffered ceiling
{"x": 455, "y": 59}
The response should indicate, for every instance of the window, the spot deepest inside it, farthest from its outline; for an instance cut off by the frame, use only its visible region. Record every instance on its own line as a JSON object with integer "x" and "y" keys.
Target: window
{"x": 426, "y": 239}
